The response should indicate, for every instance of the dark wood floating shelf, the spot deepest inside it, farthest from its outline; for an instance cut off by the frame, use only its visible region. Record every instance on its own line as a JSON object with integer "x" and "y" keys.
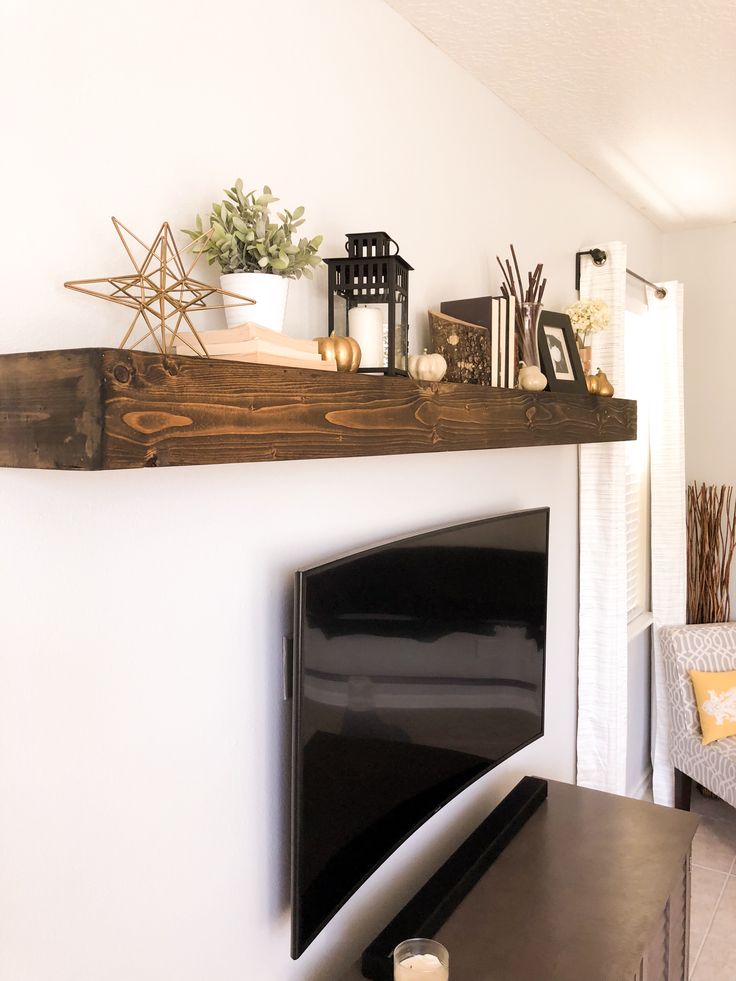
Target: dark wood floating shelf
{"x": 107, "y": 409}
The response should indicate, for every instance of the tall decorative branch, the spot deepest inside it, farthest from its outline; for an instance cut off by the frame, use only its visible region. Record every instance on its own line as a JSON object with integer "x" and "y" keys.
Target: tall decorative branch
{"x": 533, "y": 292}
{"x": 711, "y": 541}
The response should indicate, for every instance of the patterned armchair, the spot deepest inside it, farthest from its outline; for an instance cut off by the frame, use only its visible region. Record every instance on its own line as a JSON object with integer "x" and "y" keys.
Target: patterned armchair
{"x": 699, "y": 647}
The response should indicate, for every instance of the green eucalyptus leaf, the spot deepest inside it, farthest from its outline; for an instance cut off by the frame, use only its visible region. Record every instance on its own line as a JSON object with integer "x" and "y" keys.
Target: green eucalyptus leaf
{"x": 246, "y": 237}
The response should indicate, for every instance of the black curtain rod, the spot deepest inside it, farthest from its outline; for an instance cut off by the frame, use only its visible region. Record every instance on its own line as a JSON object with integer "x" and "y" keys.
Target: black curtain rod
{"x": 599, "y": 259}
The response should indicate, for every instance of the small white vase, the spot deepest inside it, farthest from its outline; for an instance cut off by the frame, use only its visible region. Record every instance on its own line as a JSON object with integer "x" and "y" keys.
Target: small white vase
{"x": 268, "y": 290}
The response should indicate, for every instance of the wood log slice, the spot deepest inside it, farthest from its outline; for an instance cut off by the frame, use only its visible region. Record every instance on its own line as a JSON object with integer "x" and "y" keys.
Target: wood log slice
{"x": 465, "y": 347}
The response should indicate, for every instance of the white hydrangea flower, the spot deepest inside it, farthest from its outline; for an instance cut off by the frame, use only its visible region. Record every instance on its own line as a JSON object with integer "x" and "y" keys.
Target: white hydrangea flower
{"x": 588, "y": 317}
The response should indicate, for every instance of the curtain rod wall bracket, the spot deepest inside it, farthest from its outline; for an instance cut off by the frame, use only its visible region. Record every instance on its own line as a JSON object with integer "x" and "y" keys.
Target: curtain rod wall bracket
{"x": 599, "y": 259}
{"x": 597, "y": 255}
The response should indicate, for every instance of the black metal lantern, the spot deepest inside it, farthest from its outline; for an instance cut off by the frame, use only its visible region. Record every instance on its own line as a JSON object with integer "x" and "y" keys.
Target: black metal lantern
{"x": 372, "y": 276}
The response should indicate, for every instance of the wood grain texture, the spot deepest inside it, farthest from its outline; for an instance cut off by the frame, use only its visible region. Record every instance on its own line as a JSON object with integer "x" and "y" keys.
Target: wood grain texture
{"x": 173, "y": 411}
{"x": 51, "y": 410}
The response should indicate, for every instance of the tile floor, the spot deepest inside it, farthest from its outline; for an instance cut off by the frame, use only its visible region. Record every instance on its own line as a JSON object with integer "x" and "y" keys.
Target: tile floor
{"x": 713, "y": 900}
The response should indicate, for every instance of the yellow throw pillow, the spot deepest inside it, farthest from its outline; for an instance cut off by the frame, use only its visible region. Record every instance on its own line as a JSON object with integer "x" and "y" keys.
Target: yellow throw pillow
{"x": 715, "y": 695}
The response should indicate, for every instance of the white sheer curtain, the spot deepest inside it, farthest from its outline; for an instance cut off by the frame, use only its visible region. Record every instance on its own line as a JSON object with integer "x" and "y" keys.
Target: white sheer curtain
{"x": 668, "y": 510}
{"x": 603, "y": 635}
{"x": 602, "y": 653}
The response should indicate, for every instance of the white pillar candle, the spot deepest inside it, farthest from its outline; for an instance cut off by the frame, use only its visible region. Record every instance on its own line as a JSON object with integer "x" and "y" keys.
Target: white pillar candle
{"x": 426, "y": 967}
{"x": 365, "y": 325}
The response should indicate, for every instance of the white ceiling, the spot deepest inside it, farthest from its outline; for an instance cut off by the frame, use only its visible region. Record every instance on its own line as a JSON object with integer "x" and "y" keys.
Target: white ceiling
{"x": 641, "y": 92}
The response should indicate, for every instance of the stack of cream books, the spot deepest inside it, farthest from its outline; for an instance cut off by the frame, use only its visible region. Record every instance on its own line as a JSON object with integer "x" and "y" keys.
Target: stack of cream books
{"x": 256, "y": 345}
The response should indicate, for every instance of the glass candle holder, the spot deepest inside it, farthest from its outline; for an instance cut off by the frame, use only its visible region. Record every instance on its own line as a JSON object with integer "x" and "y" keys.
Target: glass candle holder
{"x": 421, "y": 960}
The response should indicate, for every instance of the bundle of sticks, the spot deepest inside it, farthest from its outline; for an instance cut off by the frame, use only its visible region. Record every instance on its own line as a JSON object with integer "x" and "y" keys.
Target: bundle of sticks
{"x": 531, "y": 293}
{"x": 711, "y": 540}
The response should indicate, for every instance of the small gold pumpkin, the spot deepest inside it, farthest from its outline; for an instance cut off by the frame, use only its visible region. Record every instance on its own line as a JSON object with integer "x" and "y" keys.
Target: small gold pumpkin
{"x": 344, "y": 351}
{"x": 592, "y": 382}
{"x": 605, "y": 388}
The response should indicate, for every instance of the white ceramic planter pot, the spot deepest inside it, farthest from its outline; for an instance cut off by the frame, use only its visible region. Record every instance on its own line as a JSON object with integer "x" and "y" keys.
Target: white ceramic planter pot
{"x": 269, "y": 292}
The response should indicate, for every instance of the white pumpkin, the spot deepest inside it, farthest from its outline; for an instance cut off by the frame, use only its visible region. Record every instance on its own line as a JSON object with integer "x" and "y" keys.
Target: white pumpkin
{"x": 427, "y": 367}
{"x": 531, "y": 378}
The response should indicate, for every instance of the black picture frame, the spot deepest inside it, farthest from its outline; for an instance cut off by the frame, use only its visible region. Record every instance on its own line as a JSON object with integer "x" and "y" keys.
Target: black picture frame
{"x": 558, "y": 354}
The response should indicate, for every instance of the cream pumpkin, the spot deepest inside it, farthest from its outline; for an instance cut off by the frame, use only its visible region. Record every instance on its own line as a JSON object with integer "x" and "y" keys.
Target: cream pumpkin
{"x": 427, "y": 367}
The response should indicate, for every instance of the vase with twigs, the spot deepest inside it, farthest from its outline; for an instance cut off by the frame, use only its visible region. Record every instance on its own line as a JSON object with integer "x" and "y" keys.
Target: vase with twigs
{"x": 528, "y": 295}
{"x": 711, "y": 543}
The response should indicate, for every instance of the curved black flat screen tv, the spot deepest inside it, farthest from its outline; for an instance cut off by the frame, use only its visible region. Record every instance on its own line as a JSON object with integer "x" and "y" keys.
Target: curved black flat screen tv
{"x": 419, "y": 666}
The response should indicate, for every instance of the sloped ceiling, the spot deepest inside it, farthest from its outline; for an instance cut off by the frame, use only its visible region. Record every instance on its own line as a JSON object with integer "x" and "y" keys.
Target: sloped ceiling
{"x": 641, "y": 92}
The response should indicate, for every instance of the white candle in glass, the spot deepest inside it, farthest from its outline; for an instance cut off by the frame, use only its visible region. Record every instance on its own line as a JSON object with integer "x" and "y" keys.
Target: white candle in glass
{"x": 425, "y": 967}
{"x": 365, "y": 325}
{"x": 421, "y": 960}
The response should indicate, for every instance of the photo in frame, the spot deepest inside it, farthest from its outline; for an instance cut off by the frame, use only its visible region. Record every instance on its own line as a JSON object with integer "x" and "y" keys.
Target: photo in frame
{"x": 558, "y": 354}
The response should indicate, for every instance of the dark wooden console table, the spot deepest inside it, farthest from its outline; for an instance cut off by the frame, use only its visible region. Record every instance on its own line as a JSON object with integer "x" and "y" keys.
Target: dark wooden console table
{"x": 594, "y": 888}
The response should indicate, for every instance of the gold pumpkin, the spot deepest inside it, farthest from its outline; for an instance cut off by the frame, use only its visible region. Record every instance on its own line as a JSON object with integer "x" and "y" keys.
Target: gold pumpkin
{"x": 344, "y": 351}
{"x": 605, "y": 388}
{"x": 598, "y": 384}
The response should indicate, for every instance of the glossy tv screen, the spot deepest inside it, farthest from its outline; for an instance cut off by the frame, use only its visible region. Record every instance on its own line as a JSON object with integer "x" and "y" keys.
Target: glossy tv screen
{"x": 419, "y": 666}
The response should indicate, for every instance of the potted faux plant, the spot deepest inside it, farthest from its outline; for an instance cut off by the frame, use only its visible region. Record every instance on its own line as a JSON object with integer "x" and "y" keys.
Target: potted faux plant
{"x": 588, "y": 317}
{"x": 257, "y": 255}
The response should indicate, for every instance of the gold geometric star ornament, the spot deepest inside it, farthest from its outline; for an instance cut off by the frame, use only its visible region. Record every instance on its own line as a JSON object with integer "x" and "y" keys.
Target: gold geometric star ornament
{"x": 161, "y": 290}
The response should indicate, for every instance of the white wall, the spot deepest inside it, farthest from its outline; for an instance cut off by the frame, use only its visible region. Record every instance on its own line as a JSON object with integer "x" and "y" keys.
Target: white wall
{"x": 143, "y": 744}
{"x": 638, "y": 740}
{"x": 704, "y": 260}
